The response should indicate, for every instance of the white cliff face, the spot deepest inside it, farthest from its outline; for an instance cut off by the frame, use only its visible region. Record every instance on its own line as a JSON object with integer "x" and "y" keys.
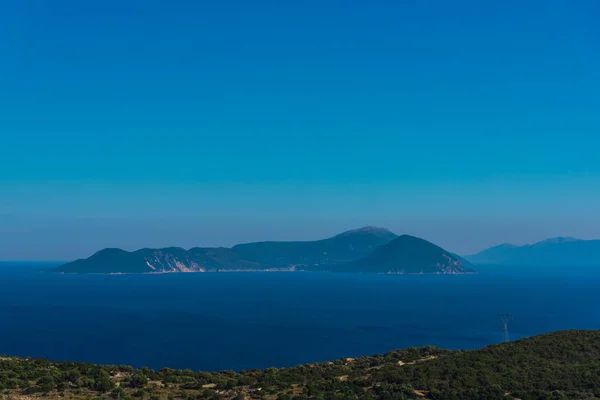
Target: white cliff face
{"x": 452, "y": 266}
{"x": 150, "y": 265}
{"x": 179, "y": 260}
{"x": 165, "y": 262}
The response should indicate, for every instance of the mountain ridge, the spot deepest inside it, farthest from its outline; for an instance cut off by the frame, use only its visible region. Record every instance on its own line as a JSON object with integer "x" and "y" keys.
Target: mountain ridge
{"x": 551, "y": 252}
{"x": 409, "y": 255}
{"x": 346, "y": 246}
{"x": 340, "y": 248}
{"x": 366, "y": 249}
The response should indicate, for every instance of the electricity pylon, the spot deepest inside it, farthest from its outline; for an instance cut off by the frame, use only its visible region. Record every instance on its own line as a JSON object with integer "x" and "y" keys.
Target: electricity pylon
{"x": 504, "y": 318}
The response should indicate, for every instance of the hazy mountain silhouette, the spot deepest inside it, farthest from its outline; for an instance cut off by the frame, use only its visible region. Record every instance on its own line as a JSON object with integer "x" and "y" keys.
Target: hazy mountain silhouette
{"x": 347, "y": 246}
{"x": 344, "y": 247}
{"x": 560, "y": 251}
{"x": 408, "y": 254}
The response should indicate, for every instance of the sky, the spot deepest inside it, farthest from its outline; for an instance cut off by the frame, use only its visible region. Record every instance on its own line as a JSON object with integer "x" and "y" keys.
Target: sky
{"x": 210, "y": 123}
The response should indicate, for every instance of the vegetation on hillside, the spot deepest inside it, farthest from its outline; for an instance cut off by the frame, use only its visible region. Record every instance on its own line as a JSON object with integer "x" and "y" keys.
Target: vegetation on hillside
{"x": 560, "y": 365}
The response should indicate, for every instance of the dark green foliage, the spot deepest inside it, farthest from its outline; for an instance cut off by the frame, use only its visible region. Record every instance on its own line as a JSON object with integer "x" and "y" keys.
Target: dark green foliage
{"x": 561, "y": 365}
{"x": 46, "y": 384}
{"x": 102, "y": 382}
{"x": 138, "y": 379}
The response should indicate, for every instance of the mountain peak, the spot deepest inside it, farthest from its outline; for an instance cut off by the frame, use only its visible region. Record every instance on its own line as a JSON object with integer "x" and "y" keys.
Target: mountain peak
{"x": 375, "y": 230}
{"x": 408, "y": 254}
{"x": 109, "y": 251}
{"x": 369, "y": 228}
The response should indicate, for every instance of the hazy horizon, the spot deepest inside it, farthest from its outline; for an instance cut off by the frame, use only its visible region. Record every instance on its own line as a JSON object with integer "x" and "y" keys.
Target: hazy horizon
{"x": 154, "y": 124}
{"x": 303, "y": 236}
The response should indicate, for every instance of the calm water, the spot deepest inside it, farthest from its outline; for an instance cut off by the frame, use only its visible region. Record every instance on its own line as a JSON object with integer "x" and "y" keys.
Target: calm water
{"x": 256, "y": 320}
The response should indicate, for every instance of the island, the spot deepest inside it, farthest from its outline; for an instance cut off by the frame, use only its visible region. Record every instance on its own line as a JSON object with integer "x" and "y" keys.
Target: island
{"x": 368, "y": 250}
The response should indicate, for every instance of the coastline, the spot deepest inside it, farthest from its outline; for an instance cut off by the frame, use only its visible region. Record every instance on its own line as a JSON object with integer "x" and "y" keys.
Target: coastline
{"x": 272, "y": 270}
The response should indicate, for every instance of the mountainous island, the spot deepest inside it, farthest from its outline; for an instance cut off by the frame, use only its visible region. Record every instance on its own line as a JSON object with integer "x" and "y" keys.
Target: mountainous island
{"x": 555, "y": 252}
{"x": 368, "y": 249}
{"x": 559, "y": 365}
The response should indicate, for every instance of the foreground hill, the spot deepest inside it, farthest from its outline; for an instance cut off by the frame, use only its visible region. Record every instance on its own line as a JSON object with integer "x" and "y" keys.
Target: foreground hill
{"x": 408, "y": 254}
{"x": 560, "y": 365}
{"x": 556, "y": 252}
{"x": 344, "y": 247}
{"x": 347, "y": 246}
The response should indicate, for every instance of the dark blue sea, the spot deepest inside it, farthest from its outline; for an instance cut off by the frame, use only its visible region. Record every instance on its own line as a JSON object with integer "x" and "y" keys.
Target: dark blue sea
{"x": 254, "y": 320}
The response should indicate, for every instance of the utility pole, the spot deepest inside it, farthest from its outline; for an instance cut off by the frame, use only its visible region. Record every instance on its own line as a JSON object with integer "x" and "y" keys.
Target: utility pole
{"x": 504, "y": 318}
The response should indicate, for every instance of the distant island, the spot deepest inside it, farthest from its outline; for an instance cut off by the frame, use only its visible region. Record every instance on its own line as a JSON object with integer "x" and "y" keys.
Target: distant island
{"x": 559, "y": 365}
{"x": 368, "y": 250}
{"x": 555, "y": 252}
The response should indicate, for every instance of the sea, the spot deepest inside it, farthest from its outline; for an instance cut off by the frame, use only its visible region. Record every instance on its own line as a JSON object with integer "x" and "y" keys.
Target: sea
{"x": 234, "y": 321}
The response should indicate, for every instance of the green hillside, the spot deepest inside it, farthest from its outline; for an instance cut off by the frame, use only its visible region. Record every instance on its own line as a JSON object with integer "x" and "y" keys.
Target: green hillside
{"x": 559, "y": 365}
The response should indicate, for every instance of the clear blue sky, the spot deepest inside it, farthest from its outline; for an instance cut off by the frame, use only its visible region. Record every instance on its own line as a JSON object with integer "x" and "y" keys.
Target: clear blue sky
{"x": 154, "y": 123}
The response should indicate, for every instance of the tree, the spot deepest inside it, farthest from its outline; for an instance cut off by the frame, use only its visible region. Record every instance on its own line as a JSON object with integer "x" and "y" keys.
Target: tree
{"x": 138, "y": 380}
{"x": 557, "y": 395}
{"x": 103, "y": 383}
{"x": 46, "y": 384}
